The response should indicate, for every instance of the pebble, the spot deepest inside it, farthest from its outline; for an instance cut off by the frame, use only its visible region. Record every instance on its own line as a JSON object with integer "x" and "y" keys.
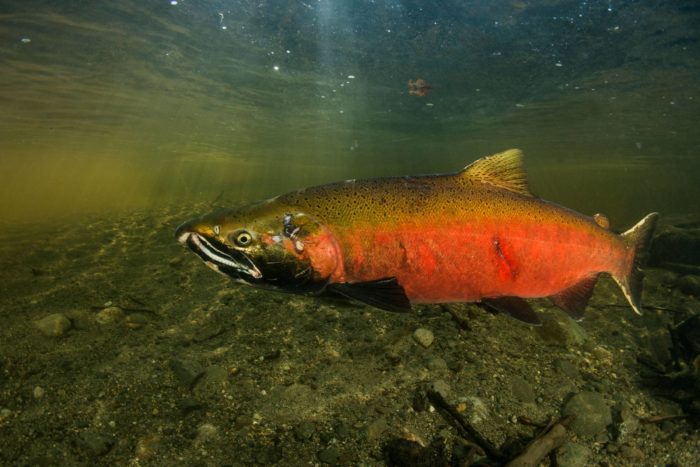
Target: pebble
{"x": 136, "y": 320}
{"x": 54, "y": 325}
{"x": 627, "y": 423}
{"x": 566, "y": 368}
{"x": 304, "y": 431}
{"x": 147, "y": 446}
{"x": 205, "y": 432}
{"x": 95, "y": 443}
{"x": 522, "y": 390}
{"x": 689, "y": 285}
{"x": 424, "y": 337}
{"x": 632, "y": 453}
{"x": 573, "y": 455}
{"x": 376, "y": 428}
{"x": 442, "y": 387}
{"x": 186, "y": 371}
{"x": 38, "y": 392}
{"x": 329, "y": 455}
{"x": 592, "y": 413}
{"x": 559, "y": 328}
{"x": 212, "y": 381}
{"x": 109, "y": 315}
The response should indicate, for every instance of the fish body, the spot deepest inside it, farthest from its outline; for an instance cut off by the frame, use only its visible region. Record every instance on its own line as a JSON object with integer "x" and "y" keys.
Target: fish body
{"x": 476, "y": 235}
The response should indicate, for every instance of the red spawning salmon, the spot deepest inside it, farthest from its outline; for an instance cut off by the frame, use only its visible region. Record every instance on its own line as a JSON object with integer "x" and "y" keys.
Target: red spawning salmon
{"x": 477, "y": 235}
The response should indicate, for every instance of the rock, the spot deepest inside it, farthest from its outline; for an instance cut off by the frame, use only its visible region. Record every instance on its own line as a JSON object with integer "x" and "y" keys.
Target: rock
{"x": 95, "y": 444}
{"x": 522, "y": 390}
{"x": 212, "y": 381}
{"x": 689, "y": 285}
{"x": 376, "y": 428}
{"x": 676, "y": 245}
{"x": 109, "y": 315}
{"x": 566, "y": 368}
{"x": 632, "y": 453}
{"x": 559, "y": 328}
{"x": 592, "y": 413}
{"x": 304, "y": 431}
{"x": 424, "y": 337}
{"x": 38, "y": 392}
{"x": 205, "y": 432}
{"x": 269, "y": 455}
{"x": 54, "y": 325}
{"x": 147, "y": 446}
{"x": 186, "y": 371}
{"x": 329, "y": 455}
{"x": 626, "y": 423}
{"x": 136, "y": 320}
{"x": 573, "y": 455}
{"x": 442, "y": 387}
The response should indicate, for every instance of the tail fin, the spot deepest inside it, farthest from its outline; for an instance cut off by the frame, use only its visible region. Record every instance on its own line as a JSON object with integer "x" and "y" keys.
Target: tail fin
{"x": 637, "y": 239}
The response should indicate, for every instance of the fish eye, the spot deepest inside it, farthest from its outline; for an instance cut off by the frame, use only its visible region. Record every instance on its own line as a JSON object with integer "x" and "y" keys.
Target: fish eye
{"x": 217, "y": 229}
{"x": 242, "y": 238}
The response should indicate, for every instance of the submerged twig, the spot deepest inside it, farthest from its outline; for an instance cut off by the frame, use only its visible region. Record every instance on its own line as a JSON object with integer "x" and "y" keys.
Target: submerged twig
{"x": 466, "y": 430}
{"x": 540, "y": 447}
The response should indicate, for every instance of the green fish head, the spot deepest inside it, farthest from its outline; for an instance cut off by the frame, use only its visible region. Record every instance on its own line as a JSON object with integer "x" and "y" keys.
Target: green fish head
{"x": 266, "y": 245}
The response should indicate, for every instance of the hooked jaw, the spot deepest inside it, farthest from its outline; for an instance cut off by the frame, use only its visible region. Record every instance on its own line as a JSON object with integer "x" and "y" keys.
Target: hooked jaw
{"x": 216, "y": 255}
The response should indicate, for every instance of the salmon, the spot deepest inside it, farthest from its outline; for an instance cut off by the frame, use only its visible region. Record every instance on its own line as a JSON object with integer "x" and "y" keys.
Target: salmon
{"x": 477, "y": 235}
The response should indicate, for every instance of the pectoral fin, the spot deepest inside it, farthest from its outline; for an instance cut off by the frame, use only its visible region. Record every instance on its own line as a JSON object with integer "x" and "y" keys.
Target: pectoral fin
{"x": 386, "y": 294}
{"x": 514, "y": 306}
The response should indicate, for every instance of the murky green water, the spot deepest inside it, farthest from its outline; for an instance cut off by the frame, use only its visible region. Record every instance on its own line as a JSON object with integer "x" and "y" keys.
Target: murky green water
{"x": 138, "y": 103}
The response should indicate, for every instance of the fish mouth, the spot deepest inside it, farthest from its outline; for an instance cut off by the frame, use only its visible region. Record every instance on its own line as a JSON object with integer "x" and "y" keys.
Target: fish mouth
{"x": 221, "y": 259}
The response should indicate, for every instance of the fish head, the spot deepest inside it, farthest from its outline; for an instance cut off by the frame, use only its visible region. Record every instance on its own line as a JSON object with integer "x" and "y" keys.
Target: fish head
{"x": 265, "y": 245}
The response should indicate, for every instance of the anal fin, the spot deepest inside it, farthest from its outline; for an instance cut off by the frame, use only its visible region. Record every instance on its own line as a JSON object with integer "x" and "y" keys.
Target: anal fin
{"x": 574, "y": 299}
{"x": 514, "y": 306}
{"x": 385, "y": 294}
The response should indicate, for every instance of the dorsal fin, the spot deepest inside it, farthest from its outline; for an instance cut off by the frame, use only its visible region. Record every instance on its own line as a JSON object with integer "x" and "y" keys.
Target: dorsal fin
{"x": 504, "y": 170}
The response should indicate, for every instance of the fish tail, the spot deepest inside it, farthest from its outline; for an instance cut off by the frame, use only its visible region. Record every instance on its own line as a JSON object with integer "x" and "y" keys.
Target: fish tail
{"x": 637, "y": 241}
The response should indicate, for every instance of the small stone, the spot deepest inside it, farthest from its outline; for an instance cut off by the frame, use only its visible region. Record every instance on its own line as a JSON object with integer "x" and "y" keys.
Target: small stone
{"x": 522, "y": 390}
{"x": 54, "y": 325}
{"x": 205, "y": 432}
{"x": 136, "y": 320}
{"x": 632, "y": 453}
{"x": 186, "y": 371}
{"x": 376, "y": 428}
{"x": 424, "y": 337}
{"x": 146, "y": 446}
{"x": 304, "y": 431}
{"x": 38, "y": 392}
{"x": 214, "y": 379}
{"x": 329, "y": 455}
{"x": 689, "y": 285}
{"x": 573, "y": 455}
{"x": 559, "y": 328}
{"x": 566, "y": 368}
{"x": 627, "y": 423}
{"x": 592, "y": 413}
{"x": 109, "y": 315}
{"x": 95, "y": 443}
{"x": 442, "y": 387}
{"x": 437, "y": 364}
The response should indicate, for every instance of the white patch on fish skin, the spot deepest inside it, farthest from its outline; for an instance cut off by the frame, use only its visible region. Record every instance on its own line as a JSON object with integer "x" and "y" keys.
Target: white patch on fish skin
{"x": 299, "y": 246}
{"x": 217, "y": 229}
{"x": 183, "y": 238}
{"x": 276, "y": 238}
